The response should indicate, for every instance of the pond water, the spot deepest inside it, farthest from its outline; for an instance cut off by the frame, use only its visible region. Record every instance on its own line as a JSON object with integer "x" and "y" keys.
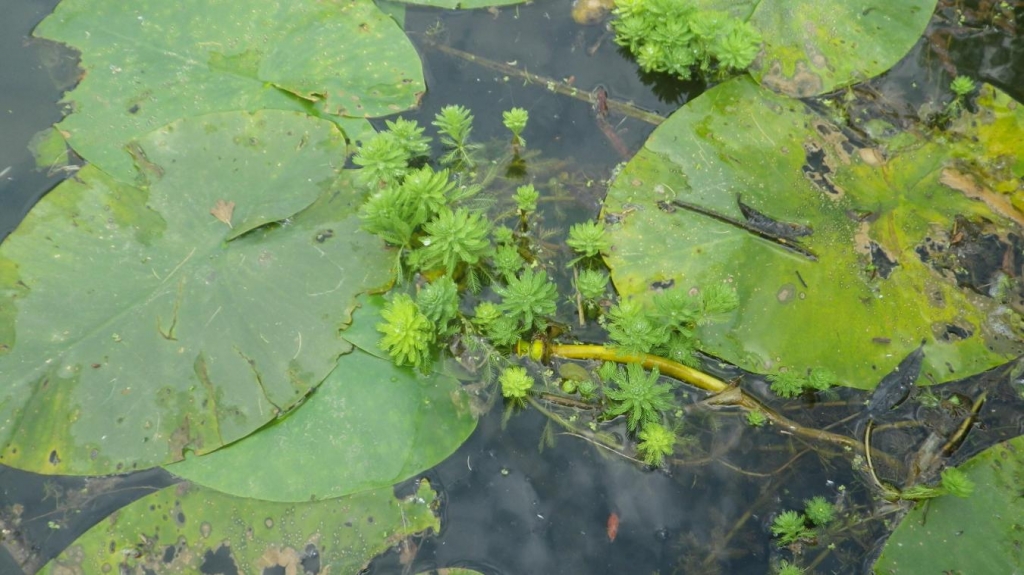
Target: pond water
{"x": 512, "y": 501}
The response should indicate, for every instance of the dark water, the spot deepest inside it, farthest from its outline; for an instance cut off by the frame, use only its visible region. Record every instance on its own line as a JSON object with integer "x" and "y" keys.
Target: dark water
{"x": 509, "y": 506}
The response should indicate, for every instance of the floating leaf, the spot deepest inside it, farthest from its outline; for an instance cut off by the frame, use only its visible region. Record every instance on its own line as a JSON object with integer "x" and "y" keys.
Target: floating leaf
{"x": 813, "y": 47}
{"x": 156, "y": 62}
{"x": 977, "y": 534}
{"x": 190, "y": 529}
{"x": 133, "y": 330}
{"x": 369, "y": 425}
{"x": 896, "y": 255}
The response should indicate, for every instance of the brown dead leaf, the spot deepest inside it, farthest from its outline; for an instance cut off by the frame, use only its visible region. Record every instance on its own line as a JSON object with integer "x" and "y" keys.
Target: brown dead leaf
{"x": 222, "y": 211}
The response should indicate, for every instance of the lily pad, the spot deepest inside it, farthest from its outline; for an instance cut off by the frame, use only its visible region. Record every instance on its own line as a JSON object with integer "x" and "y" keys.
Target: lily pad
{"x": 813, "y": 47}
{"x": 882, "y": 270}
{"x": 190, "y": 529}
{"x": 140, "y": 323}
{"x": 977, "y": 534}
{"x": 155, "y": 62}
{"x": 369, "y": 425}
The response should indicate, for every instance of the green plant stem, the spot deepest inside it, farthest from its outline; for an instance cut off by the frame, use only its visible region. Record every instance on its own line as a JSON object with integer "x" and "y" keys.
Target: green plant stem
{"x": 557, "y": 86}
{"x": 725, "y": 395}
{"x": 665, "y": 366}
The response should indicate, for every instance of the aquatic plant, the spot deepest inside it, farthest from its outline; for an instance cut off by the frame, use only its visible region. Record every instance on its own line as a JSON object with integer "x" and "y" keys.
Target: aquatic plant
{"x": 791, "y": 383}
{"x": 516, "y": 383}
{"x": 453, "y": 238}
{"x": 439, "y": 301}
{"x": 505, "y": 331}
{"x": 454, "y": 124}
{"x": 674, "y": 37}
{"x": 716, "y": 299}
{"x": 515, "y": 120}
{"x": 591, "y": 284}
{"x": 588, "y": 239}
{"x": 656, "y": 443}
{"x": 485, "y": 313}
{"x": 507, "y": 261}
{"x": 790, "y": 527}
{"x": 391, "y": 215}
{"x": 383, "y": 160}
{"x": 631, "y": 328}
{"x": 756, "y": 418}
{"x": 787, "y": 568}
{"x": 409, "y": 135}
{"x": 819, "y": 511}
{"x": 526, "y": 199}
{"x": 961, "y": 86}
{"x": 955, "y": 482}
{"x": 638, "y": 395}
{"x": 407, "y": 332}
{"x": 428, "y": 191}
{"x": 503, "y": 235}
{"x": 528, "y": 297}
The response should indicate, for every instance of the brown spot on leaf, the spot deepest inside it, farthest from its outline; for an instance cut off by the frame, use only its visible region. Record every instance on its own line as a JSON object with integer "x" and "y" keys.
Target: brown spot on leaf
{"x": 222, "y": 211}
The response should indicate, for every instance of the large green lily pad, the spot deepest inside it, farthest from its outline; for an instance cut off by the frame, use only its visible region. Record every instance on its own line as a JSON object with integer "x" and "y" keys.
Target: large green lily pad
{"x": 978, "y": 534}
{"x": 369, "y": 425}
{"x": 151, "y": 63}
{"x": 891, "y": 235}
{"x": 812, "y": 47}
{"x": 136, "y": 325}
{"x": 190, "y": 529}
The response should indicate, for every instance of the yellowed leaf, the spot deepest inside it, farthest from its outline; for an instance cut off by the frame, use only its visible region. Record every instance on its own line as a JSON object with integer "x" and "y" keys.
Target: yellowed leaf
{"x": 222, "y": 211}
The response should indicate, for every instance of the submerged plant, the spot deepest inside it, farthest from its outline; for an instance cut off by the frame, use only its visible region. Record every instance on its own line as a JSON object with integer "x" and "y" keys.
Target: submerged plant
{"x": 516, "y": 383}
{"x": 409, "y": 135}
{"x": 383, "y": 160}
{"x": 528, "y": 298}
{"x": 955, "y": 482}
{"x": 515, "y": 120}
{"x": 592, "y": 285}
{"x": 638, "y": 395}
{"x": 790, "y": 527}
{"x": 439, "y": 301}
{"x": 454, "y": 123}
{"x": 407, "y": 332}
{"x": 632, "y": 329}
{"x": 588, "y": 239}
{"x": 656, "y": 443}
{"x": 674, "y": 37}
{"x": 526, "y": 199}
{"x": 791, "y": 383}
{"x": 819, "y": 511}
{"x": 507, "y": 261}
{"x": 453, "y": 238}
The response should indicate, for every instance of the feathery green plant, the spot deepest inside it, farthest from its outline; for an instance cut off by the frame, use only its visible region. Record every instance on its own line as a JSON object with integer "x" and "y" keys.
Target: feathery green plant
{"x": 592, "y": 285}
{"x": 819, "y": 510}
{"x": 515, "y": 120}
{"x": 791, "y": 383}
{"x": 454, "y": 123}
{"x": 638, "y": 395}
{"x": 528, "y": 298}
{"x": 407, "y": 332}
{"x": 526, "y": 199}
{"x": 516, "y": 383}
{"x": 453, "y": 238}
{"x": 383, "y": 160}
{"x": 790, "y": 527}
{"x": 409, "y": 135}
{"x": 656, "y": 443}
{"x": 588, "y": 239}
{"x": 674, "y": 37}
{"x": 507, "y": 261}
{"x": 631, "y": 328}
{"x": 439, "y": 301}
